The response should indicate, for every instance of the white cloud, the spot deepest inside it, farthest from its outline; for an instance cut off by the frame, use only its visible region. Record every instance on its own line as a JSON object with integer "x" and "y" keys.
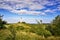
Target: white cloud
{"x": 50, "y": 10}
{"x": 32, "y": 5}
{"x": 29, "y": 20}
{"x": 36, "y": 7}
{"x": 18, "y": 19}
{"x": 28, "y": 12}
{"x": 5, "y": 7}
{"x": 46, "y": 2}
{"x": 12, "y": 5}
{"x": 20, "y": 11}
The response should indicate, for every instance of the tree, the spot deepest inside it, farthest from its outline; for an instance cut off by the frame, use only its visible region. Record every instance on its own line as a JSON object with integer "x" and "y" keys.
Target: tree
{"x": 2, "y": 22}
{"x": 54, "y": 27}
{"x": 41, "y": 21}
{"x": 56, "y": 23}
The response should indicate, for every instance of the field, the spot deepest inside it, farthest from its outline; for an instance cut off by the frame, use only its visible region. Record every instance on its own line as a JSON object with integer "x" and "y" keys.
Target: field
{"x": 23, "y": 31}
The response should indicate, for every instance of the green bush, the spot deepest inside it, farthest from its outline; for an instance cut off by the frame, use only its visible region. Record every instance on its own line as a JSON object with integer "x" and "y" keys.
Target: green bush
{"x": 20, "y": 28}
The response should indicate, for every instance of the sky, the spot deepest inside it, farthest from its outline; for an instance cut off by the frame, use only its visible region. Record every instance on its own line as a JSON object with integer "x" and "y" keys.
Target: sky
{"x": 29, "y": 10}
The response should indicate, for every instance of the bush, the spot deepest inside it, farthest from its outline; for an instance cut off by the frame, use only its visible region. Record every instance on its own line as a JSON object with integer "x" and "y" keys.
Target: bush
{"x": 20, "y": 28}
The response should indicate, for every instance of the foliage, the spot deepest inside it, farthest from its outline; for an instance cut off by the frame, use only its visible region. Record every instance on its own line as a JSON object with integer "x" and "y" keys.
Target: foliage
{"x": 13, "y": 32}
{"x": 54, "y": 27}
{"x": 19, "y": 28}
{"x": 2, "y": 23}
{"x": 24, "y": 31}
{"x": 40, "y": 30}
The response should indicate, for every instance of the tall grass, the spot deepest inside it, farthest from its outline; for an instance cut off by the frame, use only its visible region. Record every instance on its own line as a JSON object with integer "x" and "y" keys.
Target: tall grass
{"x": 24, "y": 32}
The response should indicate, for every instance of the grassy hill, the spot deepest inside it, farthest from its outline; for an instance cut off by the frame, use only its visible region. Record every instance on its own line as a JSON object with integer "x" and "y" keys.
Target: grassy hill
{"x": 23, "y": 31}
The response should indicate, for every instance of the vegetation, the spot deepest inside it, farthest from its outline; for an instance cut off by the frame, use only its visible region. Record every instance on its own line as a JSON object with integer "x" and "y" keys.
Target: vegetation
{"x": 54, "y": 27}
{"x": 2, "y": 23}
{"x": 24, "y": 31}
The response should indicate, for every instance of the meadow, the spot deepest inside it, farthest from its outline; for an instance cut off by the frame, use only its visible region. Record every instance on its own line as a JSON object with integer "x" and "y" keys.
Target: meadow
{"x": 25, "y": 31}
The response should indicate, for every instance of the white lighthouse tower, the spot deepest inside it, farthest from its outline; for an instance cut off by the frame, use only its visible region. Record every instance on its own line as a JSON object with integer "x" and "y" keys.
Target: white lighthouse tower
{"x": 21, "y": 20}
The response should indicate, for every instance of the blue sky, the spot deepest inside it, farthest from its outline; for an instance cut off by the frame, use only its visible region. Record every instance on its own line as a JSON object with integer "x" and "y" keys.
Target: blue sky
{"x": 29, "y": 10}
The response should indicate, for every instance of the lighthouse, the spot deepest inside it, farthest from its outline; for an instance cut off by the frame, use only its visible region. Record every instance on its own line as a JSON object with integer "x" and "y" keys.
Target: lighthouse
{"x": 21, "y": 20}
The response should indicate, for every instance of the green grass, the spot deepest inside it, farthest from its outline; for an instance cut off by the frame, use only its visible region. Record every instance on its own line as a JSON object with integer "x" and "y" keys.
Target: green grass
{"x": 22, "y": 31}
